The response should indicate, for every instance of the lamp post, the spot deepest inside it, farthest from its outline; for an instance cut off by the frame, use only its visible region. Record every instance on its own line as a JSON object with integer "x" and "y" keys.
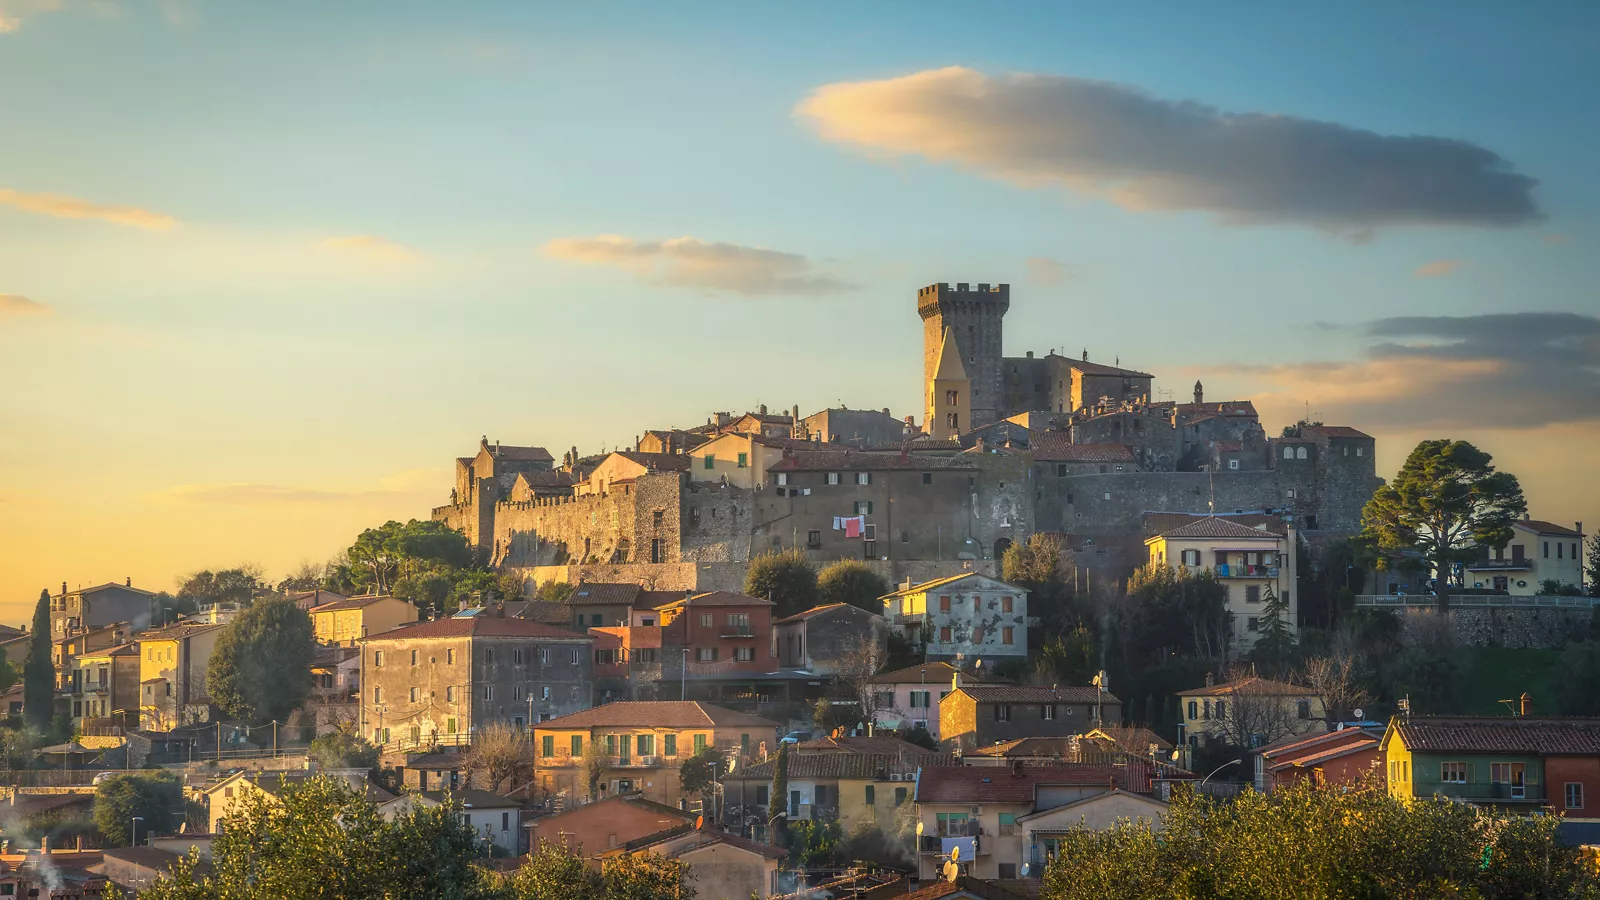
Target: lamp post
{"x": 133, "y": 839}
{"x": 1231, "y": 762}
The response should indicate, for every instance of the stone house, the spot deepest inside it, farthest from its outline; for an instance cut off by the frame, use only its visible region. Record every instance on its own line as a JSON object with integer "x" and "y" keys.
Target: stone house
{"x": 624, "y": 466}
{"x": 722, "y": 631}
{"x": 977, "y": 715}
{"x": 1522, "y": 763}
{"x": 106, "y": 683}
{"x": 345, "y": 621}
{"x": 172, "y": 675}
{"x": 1055, "y": 455}
{"x": 644, "y": 744}
{"x": 593, "y": 828}
{"x": 440, "y": 681}
{"x": 855, "y": 428}
{"x": 498, "y": 819}
{"x": 1249, "y": 711}
{"x": 739, "y": 458}
{"x": 671, "y": 440}
{"x": 99, "y": 606}
{"x": 1538, "y": 551}
{"x": 823, "y": 638}
{"x": 962, "y": 617}
{"x": 725, "y": 866}
{"x": 435, "y": 772}
{"x": 910, "y": 697}
{"x": 1253, "y": 564}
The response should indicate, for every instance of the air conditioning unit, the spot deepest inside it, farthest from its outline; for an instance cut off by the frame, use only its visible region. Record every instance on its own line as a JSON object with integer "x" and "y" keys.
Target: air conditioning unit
{"x": 896, "y": 776}
{"x": 977, "y": 810}
{"x": 647, "y": 760}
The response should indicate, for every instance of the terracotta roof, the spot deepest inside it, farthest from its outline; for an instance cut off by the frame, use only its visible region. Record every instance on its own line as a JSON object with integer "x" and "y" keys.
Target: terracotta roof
{"x": 733, "y": 840}
{"x": 1134, "y": 739}
{"x": 605, "y": 592}
{"x": 932, "y": 673}
{"x": 868, "y": 745}
{"x": 925, "y": 444}
{"x": 1058, "y": 447}
{"x": 941, "y": 582}
{"x": 361, "y": 602}
{"x": 485, "y": 624}
{"x": 471, "y": 799}
{"x": 177, "y": 632}
{"x": 1051, "y": 747}
{"x": 108, "y": 585}
{"x": 1017, "y": 693}
{"x": 311, "y": 599}
{"x": 1155, "y": 523}
{"x": 555, "y": 478}
{"x": 657, "y": 714}
{"x": 663, "y": 462}
{"x": 717, "y": 598}
{"x": 1251, "y": 685}
{"x": 1542, "y": 527}
{"x": 1325, "y": 754}
{"x": 802, "y": 616}
{"x": 1004, "y": 784}
{"x": 1335, "y": 431}
{"x": 522, "y": 454}
{"x": 1213, "y": 527}
{"x": 1094, "y": 368}
{"x": 863, "y": 460}
{"x": 332, "y": 656}
{"x": 130, "y": 648}
{"x": 543, "y": 611}
{"x": 849, "y": 766}
{"x": 1485, "y": 734}
{"x": 1296, "y": 743}
{"x": 655, "y": 599}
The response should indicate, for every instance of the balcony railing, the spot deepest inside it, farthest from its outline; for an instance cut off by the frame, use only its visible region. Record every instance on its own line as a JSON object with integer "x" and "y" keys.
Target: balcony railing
{"x": 1427, "y": 601}
{"x": 737, "y": 631}
{"x": 1228, "y": 570}
{"x": 1496, "y": 565}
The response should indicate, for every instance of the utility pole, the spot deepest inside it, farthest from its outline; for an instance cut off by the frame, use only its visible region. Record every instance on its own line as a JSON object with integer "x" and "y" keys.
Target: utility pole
{"x": 219, "y": 740}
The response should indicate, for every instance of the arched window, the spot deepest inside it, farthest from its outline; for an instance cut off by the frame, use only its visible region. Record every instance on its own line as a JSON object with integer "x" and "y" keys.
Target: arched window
{"x": 1288, "y": 453}
{"x": 1299, "y": 453}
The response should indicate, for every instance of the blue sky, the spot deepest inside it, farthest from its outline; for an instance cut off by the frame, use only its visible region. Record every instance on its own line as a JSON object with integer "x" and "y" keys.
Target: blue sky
{"x": 344, "y": 272}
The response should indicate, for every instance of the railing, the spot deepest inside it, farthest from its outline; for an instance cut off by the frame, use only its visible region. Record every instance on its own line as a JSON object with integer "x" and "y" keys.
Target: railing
{"x": 1457, "y": 601}
{"x": 1226, "y": 570}
{"x": 1490, "y": 564}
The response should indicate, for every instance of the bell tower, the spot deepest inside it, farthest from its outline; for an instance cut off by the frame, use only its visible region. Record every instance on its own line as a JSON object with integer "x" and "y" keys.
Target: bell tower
{"x": 965, "y": 321}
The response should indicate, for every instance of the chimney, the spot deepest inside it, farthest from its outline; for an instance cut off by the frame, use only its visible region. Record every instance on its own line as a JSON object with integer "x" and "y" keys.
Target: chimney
{"x": 79, "y": 847}
{"x": 1527, "y": 516}
{"x": 1578, "y": 527}
{"x": 1209, "y": 680}
{"x": 63, "y": 588}
{"x": 128, "y": 582}
{"x": 1526, "y": 704}
{"x": 44, "y": 845}
{"x": 761, "y": 410}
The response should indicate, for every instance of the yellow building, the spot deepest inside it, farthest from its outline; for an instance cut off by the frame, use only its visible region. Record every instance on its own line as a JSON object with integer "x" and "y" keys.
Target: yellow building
{"x": 950, "y": 394}
{"x": 853, "y": 789}
{"x": 742, "y": 458}
{"x": 625, "y": 465}
{"x": 225, "y": 796}
{"x": 1252, "y": 564}
{"x": 644, "y": 743}
{"x": 343, "y": 622}
{"x": 107, "y": 686}
{"x": 1248, "y": 712}
{"x": 172, "y": 674}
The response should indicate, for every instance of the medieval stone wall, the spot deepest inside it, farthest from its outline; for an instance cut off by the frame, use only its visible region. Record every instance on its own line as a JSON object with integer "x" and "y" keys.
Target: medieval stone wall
{"x": 1515, "y": 627}
{"x": 624, "y": 525}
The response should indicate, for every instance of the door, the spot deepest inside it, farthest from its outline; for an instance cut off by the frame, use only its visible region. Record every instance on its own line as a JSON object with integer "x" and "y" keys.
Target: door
{"x": 1501, "y": 583}
{"x": 1519, "y": 789}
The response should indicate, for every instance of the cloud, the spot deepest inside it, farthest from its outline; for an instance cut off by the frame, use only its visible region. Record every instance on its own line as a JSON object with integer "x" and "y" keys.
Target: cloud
{"x": 18, "y": 305}
{"x": 411, "y": 485}
{"x": 366, "y": 246}
{"x": 1044, "y": 270}
{"x": 1438, "y": 268}
{"x": 1501, "y": 371}
{"x": 73, "y": 208}
{"x": 691, "y": 262}
{"x": 1558, "y": 239}
{"x": 12, "y": 11}
{"x": 1148, "y": 153}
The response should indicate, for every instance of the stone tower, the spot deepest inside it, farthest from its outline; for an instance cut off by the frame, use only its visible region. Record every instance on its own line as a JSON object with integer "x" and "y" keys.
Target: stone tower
{"x": 972, "y": 317}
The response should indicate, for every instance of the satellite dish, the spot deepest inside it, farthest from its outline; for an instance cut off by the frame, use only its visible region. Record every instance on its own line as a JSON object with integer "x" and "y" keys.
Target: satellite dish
{"x": 919, "y": 829}
{"x": 1340, "y": 727}
{"x": 955, "y": 853}
{"x": 699, "y": 822}
{"x": 1360, "y": 716}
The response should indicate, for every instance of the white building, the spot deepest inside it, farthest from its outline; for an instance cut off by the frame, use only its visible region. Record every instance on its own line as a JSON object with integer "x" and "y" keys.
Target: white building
{"x": 1250, "y": 563}
{"x": 1538, "y": 552}
{"x": 962, "y": 618}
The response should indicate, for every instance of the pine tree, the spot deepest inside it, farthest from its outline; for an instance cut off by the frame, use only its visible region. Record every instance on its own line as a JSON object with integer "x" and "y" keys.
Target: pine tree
{"x": 1275, "y": 642}
{"x": 39, "y": 672}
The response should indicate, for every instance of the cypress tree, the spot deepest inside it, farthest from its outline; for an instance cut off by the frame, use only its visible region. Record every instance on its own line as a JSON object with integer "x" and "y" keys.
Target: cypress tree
{"x": 39, "y": 672}
{"x": 779, "y": 801}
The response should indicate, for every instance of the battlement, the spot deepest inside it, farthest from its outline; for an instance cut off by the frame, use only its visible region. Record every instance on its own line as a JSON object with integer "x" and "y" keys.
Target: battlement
{"x": 932, "y": 297}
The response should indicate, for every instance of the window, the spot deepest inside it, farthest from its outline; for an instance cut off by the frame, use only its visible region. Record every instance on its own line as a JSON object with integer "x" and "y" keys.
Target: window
{"x": 710, "y": 460}
{"x": 1252, "y": 624}
{"x": 488, "y": 692}
{"x": 871, "y": 798}
{"x": 944, "y": 634}
{"x": 577, "y": 745}
{"x": 545, "y": 695}
{"x": 1222, "y": 709}
{"x": 547, "y": 745}
{"x": 744, "y": 461}
{"x": 1547, "y": 549}
{"x": 833, "y": 477}
{"x": 1047, "y": 712}
{"x": 573, "y": 658}
{"x": 863, "y": 478}
{"x": 1193, "y": 710}
{"x": 377, "y": 659}
{"x": 1006, "y": 634}
{"x": 863, "y": 507}
{"x": 952, "y": 420}
{"x": 763, "y": 795}
{"x": 1008, "y": 826}
{"x": 1360, "y": 450}
{"x": 977, "y": 634}
{"x": 744, "y": 654}
{"x": 450, "y": 657}
{"x": 944, "y": 604}
{"x": 414, "y": 692}
{"x": 611, "y": 744}
{"x": 899, "y": 796}
{"x": 669, "y": 745}
{"x": 739, "y": 621}
{"x": 927, "y": 478}
{"x": 377, "y": 695}
{"x": 413, "y": 657}
{"x": 1558, "y": 551}
{"x": 699, "y": 743}
{"x": 1002, "y": 712}
{"x": 450, "y": 694}
{"x": 1232, "y": 464}
{"x": 1007, "y": 870}
{"x": 920, "y": 699}
{"x": 516, "y": 656}
{"x": 1005, "y": 604}
{"x": 518, "y": 692}
{"x": 814, "y": 539}
{"x": 1252, "y": 593}
{"x": 1288, "y": 453}
{"x": 705, "y": 620}
{"x": 1108, "y": 495}
{"x": 1574, "y": 795}
{"x": 647, "y": 744}
{"x": 705, "y": 654}
{"x": 1299, "y": 453}
{"x": 1453, "y": 772}
{"x": 952, "y": 824}
{"x": 1302, "y": 709}
{"x": 952, "y": 398}
{"x": 905, "y": 537}
{"x": 488, "y": 656}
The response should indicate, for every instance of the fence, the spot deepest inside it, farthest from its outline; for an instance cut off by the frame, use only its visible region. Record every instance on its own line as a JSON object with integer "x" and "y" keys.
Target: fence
{"x": 1477, "y": 601}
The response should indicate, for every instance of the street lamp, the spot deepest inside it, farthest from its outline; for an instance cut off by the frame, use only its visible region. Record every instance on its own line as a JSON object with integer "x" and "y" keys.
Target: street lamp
{"x": 1231, "y": 762}
{"x": 133, "y": 840}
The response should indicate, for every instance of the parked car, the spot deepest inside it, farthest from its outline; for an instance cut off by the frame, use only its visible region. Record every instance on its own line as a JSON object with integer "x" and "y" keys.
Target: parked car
{"x": 795, "y": 737}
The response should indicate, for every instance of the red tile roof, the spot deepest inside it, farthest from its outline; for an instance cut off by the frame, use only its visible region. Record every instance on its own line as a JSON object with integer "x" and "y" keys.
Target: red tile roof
{"x": 657, "y": 714}
{"x": 1335, "y": 431}
{"x": 929, "y": 673}
{"x": 661, "y": 462}
{"x": 1004, "y": 784}
{"x": 1213, "y": 527}
{"x": 1094, "y": 368}
{"x": 1485, "y": 734}
{"x": 1016, "y": 693}
{"x": 484, "y": 624}
{"x": 1224, "y": 408}
{"x": 802, "y": 616}
{"x": 361, "y": 602}
{"x": 863, "y": 461}
{"x": 522, "y": 454}
{"x": 1543, "y": 527}
{"x": 1058, "y": 447}
{"x": 849, "y": 766}
{"x": 1161, "y": 522}
{"x": 605, "y": 592}
{"x": 867, "y": 745}
{"x": 1251, "y": 685}
{"x": 716, "y": 598}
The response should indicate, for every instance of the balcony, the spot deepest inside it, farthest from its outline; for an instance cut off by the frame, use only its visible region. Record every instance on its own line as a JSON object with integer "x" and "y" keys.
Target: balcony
{"x": 1500, "y": 565}
{"x": 932, "y": 844}
{"x": 1226, "y": 570}
{"x": 737, "y": 631}
{"x": 95, "y": 687}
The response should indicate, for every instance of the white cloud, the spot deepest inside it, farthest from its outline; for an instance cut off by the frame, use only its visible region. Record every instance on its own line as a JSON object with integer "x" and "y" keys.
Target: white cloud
{"x": 1044, "y": 270}
{"x": 73, "y": 208}
{"x": 1147, "y": 153}
{"x": 371, "y": 248}
{"x": 691, "y": 262}
{"x": 1439, "y": 268}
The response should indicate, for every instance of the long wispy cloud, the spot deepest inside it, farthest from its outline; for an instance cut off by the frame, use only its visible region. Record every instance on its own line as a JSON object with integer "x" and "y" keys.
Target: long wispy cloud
{"x": 1507, "y": 370}
{"x": 63, "y": 207}
{"x": 1149, "y": 153}
{"x": 408, "y": 485}
{"x": 691, "y": 262}
{"x": 18, "y": 305}
{"x": 372, "y": 248}
{"x": 1439, "y": 268}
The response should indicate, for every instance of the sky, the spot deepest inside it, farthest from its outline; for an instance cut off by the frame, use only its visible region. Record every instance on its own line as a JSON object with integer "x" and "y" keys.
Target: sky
{"x": 266, "y": 269}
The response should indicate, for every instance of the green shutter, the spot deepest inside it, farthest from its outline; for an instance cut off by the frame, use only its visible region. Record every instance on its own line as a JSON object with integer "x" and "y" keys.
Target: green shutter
{"x": 699, "y": 742}
{"x": 711, "y": 460}
{"x": 669, "y": 745}
{"x": 547, "y": 745}
{"x": 577, "y": 745}
{"x": 872, "y": 796}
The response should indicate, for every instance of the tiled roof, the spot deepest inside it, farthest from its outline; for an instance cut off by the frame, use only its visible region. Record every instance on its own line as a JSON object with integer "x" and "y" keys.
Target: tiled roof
{"x": 1056, "y": 747}
{"x": 931, "y": 673}
{"x": 1213, "y": 527}
{"x": 543, "y": 611}
{"x": 107, "y": 586}
{"x": 1133, "y": 739}
{"x": 605, "y": 592}
{"x": 152, "y": 858}
{"x": 941, "y": 582}
{"x": 662, "y": 462}
{"x": 1094, "y": 368}
{"x": 717, "y": 598}
{"x": 556, "y": 478}
{"x": 848, "y": 766}
{"x": 1297, "y": 743}
{"x": 1251, "y": 685}
{"x": 1542, "y": 527}
{"x": 1319, "y": 757}
{"x": 177, "y": 632}
{"x": 1017, "y": 693}
{"x": 802, "y": 616}
{"x": 1004, "y": 784}
{"x": 1058, "y": 447}
{"x": 312, "y": 599}
{"x": 866, "y": 745}
{"x": 863, "y": 461}
{"x": 522, "y": 454}
{"x": 332, "y": 656}
{"x": 471, "y": 799}
{"x": 1335, "y": 431}
{"x": 485, "y": 624}
{"x": 1155, "y": 523}
{"x": 361, "y": 602}
{"x": 129, "y": 649}
{"x": 656, "y": 599}
{"x": 657, "y": 714}
{"x": 1225, "y": 408}
{"x": 443, "y": 761}
{"x": 1469, "y": 734}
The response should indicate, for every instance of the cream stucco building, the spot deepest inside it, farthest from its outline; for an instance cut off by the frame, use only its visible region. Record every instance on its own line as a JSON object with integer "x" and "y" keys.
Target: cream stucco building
{"x": 1251, "y": 563}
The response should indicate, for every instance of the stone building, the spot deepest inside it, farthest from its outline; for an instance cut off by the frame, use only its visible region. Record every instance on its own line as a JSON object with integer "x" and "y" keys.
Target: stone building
{"x": 823, "y": 639}
{"x": 855, "y": 428}
{"x": 962, "y": 327}
{"x": 97, "y": 607}
{"x": 440, "y": 681}
{"x": 482, "y": 481}
{"x": 172, "y": 675}
{"x": 975, "y": 715}
{"x": 962, "y": 617}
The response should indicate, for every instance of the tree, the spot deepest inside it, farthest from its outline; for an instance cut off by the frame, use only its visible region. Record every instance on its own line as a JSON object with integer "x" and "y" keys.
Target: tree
{"x": 784, "y": 577}
{"x": 1274, "y": 648}
{"x": 778, "y": 800}
{"x": 1038, "y": 566}
{"x": 1580, "y": 684}
{"x": 1592, "y": 563}
{"x": 854, "y": 582}
{"x": 261, "y": 667}
{"x": 1334, "y": 677}
{"x": 595, "y": 763}
{"x": 815, "y": 843}
{"x": 554, "y": 872}
{"x": 1071, "y": 658}
{"x": 1255, "y": 715}
{"x": 39, "y": 672}
{"x": 499, "y": 754}
{"x": 1446, "y": 500}
{"x": 156, "y": 798}
{"x": 1169, "y": 610}
{"x": 646, "y": 876}
{"x": 426, "y": 590}
{"x": 305, "y": 576}
{"x": 343, "y": 749}
{"x": 239, "y": 585}
{"x": 382, "y": 555}
{"x": 861, "y": 659}
{"x": 698, "y": 774}
{"x": 555, "y": 591}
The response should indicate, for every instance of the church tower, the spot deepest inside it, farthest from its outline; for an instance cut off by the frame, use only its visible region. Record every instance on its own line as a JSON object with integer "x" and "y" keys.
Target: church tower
{"x": 964, "y": 322}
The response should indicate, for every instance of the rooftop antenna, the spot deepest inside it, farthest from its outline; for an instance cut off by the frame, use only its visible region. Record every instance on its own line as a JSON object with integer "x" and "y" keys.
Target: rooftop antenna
{"x": 1211, "y": 481}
